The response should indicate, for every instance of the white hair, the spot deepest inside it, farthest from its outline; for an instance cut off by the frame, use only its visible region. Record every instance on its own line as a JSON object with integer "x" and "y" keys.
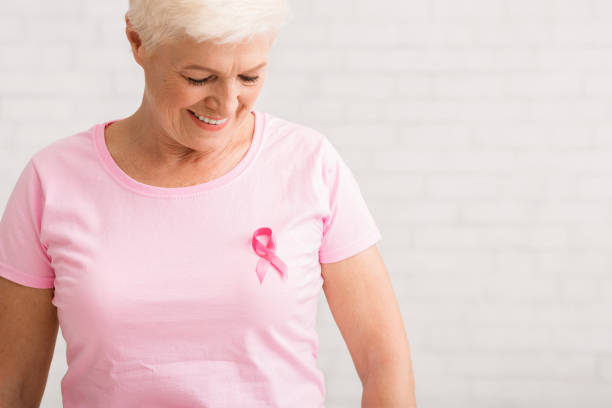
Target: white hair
{"x": 220, "y": 21}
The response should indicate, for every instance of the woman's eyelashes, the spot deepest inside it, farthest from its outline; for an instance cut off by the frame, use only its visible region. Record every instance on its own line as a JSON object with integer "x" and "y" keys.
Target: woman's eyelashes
{"x": 203, "y": 81}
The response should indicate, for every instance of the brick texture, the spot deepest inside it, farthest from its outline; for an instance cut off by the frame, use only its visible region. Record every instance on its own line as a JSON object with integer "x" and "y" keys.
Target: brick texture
{"x": 479, "y": 131}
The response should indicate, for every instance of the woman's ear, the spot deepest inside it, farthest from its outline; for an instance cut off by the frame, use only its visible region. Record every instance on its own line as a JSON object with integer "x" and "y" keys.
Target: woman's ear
{"x": 134, "y": 40}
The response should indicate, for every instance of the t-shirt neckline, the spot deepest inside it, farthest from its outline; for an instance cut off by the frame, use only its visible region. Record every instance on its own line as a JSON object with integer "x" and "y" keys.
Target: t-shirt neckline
{"x": 122, "y": 178}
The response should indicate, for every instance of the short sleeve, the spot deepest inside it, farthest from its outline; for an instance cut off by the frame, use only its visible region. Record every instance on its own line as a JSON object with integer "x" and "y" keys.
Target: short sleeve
{"x": 23, "y": 257}
{"x": 350, "y": 227}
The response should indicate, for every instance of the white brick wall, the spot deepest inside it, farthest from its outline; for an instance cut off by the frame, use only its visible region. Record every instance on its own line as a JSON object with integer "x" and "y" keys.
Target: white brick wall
{"x": 488, "y": 170}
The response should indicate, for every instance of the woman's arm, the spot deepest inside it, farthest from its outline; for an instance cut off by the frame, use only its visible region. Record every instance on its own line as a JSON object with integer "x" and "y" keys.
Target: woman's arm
{"x": 29, "y": 327}
{"x": 361, "y": 299}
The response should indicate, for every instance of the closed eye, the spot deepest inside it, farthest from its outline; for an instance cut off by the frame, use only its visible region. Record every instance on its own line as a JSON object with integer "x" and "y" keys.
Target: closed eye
{"x": 198, "y": 82}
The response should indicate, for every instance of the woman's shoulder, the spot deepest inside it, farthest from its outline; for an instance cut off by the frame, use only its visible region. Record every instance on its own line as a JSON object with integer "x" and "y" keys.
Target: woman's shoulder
{"x": 70, "y": 151}
{"x": 293, "y": 132}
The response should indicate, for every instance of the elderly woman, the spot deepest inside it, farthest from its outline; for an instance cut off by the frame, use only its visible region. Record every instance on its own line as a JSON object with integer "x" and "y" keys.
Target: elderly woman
{"x": 183, "y": 249}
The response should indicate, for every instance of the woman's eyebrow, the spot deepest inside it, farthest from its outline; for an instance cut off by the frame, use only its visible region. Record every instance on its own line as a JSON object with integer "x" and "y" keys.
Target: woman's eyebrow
{"x": 212, "y": 70}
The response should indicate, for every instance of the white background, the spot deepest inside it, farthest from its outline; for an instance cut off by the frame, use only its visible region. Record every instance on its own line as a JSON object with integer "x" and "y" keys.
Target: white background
{"x": 480, "y": 133}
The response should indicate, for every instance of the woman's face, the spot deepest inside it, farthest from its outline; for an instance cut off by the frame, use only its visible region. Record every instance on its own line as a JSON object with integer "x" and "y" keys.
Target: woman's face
{"x": 215, "y": 81}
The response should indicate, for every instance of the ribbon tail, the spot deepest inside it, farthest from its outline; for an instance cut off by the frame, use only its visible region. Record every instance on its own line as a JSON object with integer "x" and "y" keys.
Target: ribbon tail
{"x": 261, "y": 270}
{"x": 280, "y": 266}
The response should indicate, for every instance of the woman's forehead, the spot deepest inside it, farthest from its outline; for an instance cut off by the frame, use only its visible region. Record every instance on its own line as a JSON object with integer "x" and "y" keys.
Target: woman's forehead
{"x": 189, "y": 54}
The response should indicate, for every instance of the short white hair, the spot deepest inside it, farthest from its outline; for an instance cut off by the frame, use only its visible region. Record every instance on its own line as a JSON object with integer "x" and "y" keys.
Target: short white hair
{"x": 220, "y": 21}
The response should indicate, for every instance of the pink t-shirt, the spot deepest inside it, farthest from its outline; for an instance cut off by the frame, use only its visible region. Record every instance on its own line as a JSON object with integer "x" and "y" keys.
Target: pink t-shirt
{"x": 158, "y": 290}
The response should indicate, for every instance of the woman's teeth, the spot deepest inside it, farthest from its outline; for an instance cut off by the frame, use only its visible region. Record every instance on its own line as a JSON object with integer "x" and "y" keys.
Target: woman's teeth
{"x": 209, "y": 121}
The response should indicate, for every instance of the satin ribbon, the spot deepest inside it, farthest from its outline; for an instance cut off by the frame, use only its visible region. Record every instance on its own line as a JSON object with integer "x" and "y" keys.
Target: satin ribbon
{"x": 267, "y": 254}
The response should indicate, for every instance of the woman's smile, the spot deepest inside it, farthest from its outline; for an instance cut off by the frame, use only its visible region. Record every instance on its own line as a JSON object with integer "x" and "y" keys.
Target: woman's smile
{"x": 208, "y": 126}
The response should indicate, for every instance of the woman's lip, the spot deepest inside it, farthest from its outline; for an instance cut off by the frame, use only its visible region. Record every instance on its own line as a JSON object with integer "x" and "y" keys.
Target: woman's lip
{"x": 206, "y": 126}
{"x": 208, "y": 117}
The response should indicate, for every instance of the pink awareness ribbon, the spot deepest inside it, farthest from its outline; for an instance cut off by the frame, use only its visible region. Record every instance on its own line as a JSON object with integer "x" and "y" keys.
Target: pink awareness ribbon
{"x": 267, "y": 254}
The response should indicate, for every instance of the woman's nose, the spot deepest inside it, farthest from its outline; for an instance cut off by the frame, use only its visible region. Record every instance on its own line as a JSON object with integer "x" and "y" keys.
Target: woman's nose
{"x": 225, "y": 96}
